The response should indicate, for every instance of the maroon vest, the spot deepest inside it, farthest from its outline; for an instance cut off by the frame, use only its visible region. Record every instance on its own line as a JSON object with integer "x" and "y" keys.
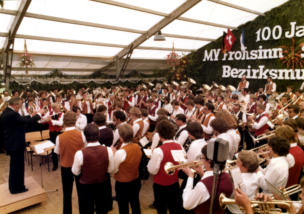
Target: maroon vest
{"x": 95, "y": 165}
{"x": 295, "y": 171}
{"x": 53, "y": 128}
{"x": 162, "y": 178}
{"x": 264, "y": 128}
{"x": 225, "y": 186}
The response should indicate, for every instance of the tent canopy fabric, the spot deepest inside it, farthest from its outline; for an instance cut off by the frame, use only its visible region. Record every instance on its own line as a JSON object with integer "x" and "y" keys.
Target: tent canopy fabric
{"x": 79, "y": 37}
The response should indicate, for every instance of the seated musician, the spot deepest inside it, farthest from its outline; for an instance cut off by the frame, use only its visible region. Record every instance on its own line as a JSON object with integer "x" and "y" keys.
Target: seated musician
{"x": 176, "y": 109}
{"x": 288, "y": 133}
{"x": 93, "y": 164}
{"x": 293, "y": 112}
{"x": 190, "y": 111}
{"x": 248, "y": 164}
{"x": 198, "y": 197}
{"x": 165, "y": 186}
{"x": 127, "y": 160}
{"x": 199, "y": 105}
{"x": 276, "y": 173}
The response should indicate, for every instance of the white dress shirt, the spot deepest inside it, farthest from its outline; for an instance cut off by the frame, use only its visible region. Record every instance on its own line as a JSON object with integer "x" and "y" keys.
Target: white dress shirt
{"x": 195, "y": 149}
{"x": 275, "y": 173}
{"x": 230, "y": 139}
{"x": 81, "y": 122}
{"x": 146, "y": 125}
{"x": 263, "y": 121}
{"x": 169, "y": 108}
{"x": 78, "y": 159}
{"x": 236, "y": 139}
{"x": 182, "y": 136}
{"x": 57, "y": 150}
{"x": 119, "y": 157}
{"x": 116, "y": 134}
{"x": 190, "y": 113}
{"x": 192, "y": 197}
{"x": 156, "y": 158}
{"x": 177, "y": 111}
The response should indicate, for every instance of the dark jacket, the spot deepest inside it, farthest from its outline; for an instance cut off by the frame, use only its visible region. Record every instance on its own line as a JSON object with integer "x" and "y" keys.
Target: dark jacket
{"x": 13, "y": 127}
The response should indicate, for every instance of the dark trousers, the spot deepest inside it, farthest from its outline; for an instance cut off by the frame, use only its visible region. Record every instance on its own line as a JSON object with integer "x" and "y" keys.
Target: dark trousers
{"x": 128, "y": 192}
{"x": 92, "y": 196}
{"x": 89, "y": 118}
{"x": 53, "y": 136}
{"x": 166, "y": 197}
{"x": 16, "y": 172}
{"x": 67, "y": 179}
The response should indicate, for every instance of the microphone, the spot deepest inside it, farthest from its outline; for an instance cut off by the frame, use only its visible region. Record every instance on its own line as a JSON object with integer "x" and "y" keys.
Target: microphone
{"x": 218, "y": 150}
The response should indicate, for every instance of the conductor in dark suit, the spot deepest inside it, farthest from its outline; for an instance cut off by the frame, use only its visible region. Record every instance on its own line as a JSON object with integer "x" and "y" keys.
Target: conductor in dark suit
{"x": 13, "y": 126}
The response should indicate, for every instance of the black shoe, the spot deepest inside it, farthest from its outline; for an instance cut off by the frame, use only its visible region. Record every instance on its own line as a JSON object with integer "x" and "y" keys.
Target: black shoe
{"x": 20, "y": 191}
{"x": 55, "y": 168}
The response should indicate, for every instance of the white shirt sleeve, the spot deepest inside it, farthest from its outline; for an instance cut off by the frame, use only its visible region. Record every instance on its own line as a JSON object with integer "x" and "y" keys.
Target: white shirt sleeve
{"x": 56, "y": 150}
{"x": 111, "y": 166}
{"x": 274, "y": 87}
{"x": 58, "y": 122}
{"x": 302, "y": 86}
{"x": 81, "y": 122}
{"x": 192, "y": 197}
{"x": 83, "y": 138}
{"x": 261, "y": 123}
{"x": 155, "y": 140}
{"x": 119, "y": 157}
{"x": 182, "y": 137}
{"x": 115, "y": 136}
{"x": 77, "y": 164}
{"x": 154, "y": 163}
{"x": 247, "y": 84}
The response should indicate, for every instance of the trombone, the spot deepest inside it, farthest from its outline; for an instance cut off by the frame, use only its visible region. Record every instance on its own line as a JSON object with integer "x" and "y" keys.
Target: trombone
{"x": 264, "y": 136}
{"x": 170, "y": 168}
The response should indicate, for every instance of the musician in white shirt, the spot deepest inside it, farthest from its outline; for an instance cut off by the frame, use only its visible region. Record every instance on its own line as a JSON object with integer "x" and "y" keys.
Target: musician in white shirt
{"x": 190, "y": 111}
{"x": 276, "y": 173}
{"x": 81, "y": 121}
{"x": 176, "y": 109}
{"x": 182, "y": 134}
{"x": 195, "y": 132}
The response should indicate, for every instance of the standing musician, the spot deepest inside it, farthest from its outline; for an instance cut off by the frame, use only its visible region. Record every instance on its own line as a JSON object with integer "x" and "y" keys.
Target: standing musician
{"x": 270, "y": 87}
{"x": 199, "y": 106}
{"x": 55, "y": 121}
{"x": 129, "y": 100}
{"x": 105, "y": 133}
{"x": 165, "y": 186}
{"x": 67, "y": 144}
{"x": 207, "y": 119}
{"x": 86, "y": 106}
{"x": 82, "y": 120}
{"x": 195, "y": 132}
{"x": 92, "y": 164}
{"x": 243, "y": 84}
{"x": 198, "y": 197}
{"x": 182, "y": 136}
{"x": 241, "y": 123}
{"x": 127, "y": 160}
{"x": 260, "y": 124}
{"x": 119, "y": 117}
{"x": 137, "y": 123}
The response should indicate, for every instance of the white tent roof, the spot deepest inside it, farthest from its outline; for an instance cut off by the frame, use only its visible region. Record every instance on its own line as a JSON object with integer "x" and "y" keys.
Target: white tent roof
{"x": 101, "y": 29}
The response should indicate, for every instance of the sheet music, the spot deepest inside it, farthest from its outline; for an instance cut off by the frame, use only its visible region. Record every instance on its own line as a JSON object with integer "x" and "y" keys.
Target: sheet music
{"x": 148, "y": 152}
{"x": 144, "y": 141}
{"x": 40, "y": 147}
{"x": 179, "y": 156}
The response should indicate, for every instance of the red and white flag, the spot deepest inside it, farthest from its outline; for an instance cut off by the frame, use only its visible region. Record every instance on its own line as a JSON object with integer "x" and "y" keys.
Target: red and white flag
{"x": 229, "y": 40}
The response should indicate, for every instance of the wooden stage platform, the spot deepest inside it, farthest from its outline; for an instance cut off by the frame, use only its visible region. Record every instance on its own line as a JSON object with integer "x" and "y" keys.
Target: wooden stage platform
{"x": 12, "y": 202}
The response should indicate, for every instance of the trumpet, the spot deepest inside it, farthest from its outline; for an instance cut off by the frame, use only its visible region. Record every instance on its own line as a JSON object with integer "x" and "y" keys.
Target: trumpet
{"x": 264, "y": 136}
{"x": 170, "y": 168}
{"x": 260, "y": 206}
{"x": 257, "y": 149}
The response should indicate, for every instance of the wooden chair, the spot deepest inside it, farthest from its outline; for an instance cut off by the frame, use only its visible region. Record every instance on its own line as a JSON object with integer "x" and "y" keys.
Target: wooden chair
{"x": 45, "y": 134}
{"x": 31, "y": 137}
